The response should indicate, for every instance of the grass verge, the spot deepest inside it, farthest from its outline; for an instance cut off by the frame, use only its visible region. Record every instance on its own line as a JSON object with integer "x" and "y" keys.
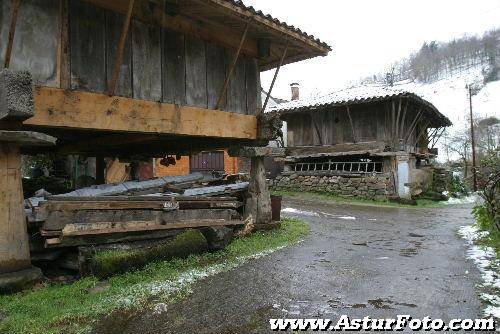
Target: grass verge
{"x": 74, "y": 308}
{"x": 486, "y": 223}
{"x": 421, "y": 203}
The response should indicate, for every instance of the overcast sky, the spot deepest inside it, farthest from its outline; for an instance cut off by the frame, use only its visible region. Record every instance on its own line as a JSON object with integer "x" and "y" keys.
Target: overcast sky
{"x": 367, "y": 35}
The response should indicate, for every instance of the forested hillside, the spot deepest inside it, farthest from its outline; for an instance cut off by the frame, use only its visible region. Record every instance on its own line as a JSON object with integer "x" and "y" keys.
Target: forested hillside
{"x": 439, "y": 60}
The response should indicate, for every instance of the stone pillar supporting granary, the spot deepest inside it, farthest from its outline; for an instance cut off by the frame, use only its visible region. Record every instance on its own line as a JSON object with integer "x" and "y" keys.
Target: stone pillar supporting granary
{"x": 161, "y": 79}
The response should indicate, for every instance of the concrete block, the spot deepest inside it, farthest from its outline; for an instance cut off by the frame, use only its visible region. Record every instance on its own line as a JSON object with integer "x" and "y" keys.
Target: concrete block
{"x": 16, "y": 95}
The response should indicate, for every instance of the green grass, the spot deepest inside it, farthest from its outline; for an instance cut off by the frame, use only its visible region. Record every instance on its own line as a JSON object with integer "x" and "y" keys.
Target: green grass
{"x": 74, "y": 308}
{"x": 109, "y": 263}
{"x": 485, "y": 222}
{"x": 421, "y": 203}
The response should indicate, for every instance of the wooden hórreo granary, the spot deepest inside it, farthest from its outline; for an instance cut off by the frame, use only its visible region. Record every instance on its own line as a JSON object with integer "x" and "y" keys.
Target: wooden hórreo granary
{"x": 132, "y": 79}
{"x": 366, "y": 131}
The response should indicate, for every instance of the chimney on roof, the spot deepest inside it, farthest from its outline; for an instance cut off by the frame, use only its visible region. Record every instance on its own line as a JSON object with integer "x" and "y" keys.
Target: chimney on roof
{"x": 295, "y": 91}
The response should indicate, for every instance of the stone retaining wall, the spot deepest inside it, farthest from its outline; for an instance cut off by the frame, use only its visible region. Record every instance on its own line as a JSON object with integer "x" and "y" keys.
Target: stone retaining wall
{"x": 377, "y": 187}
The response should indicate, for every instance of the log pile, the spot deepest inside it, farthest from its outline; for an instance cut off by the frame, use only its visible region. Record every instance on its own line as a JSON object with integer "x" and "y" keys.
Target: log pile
{"x": 131, "y": 214}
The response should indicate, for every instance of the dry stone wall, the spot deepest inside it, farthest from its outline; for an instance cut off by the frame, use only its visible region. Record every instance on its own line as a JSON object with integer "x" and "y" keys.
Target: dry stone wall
{"x": 376, "y": 187}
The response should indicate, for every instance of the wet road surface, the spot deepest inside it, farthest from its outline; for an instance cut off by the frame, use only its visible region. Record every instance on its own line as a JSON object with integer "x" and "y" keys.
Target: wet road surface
{"x": 358, "y": 260}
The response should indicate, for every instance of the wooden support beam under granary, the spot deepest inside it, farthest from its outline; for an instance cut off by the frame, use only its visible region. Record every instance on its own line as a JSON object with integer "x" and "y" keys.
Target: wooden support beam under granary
{"x": 134, "y": 80}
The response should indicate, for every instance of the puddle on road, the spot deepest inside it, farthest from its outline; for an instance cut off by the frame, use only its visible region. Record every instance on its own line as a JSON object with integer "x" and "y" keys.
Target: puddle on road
{"x": 387, "y": 304}
{"x": 384, "y": 304}
{"x": 408, "y": 252}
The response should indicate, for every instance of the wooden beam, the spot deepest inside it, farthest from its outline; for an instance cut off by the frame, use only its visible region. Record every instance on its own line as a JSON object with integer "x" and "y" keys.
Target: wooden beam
{"x": 275, "y": 77}
{"x": 316, "y": 128}
{"x": 403, "y": 119}
{"x": 396, "y": 130}
{"x": 393, "y": 126}
{"x": 121, "y": 48}
{"x": 422, "y": 131}
{"x": 414, "y": 124}
{"x": 251, "y": 152}
{"x": 223, "y": 89}
{"x": 219, "y": 34}
{"x": 59, "y": 108}
{"x": 352, "y": 124}
{"x": 141, "y": 226}
{"x": 13, "y": 21}
{"x": 104, "y": 141}
{"x": 438, "y": 137}
{"x": 270, "y": 24}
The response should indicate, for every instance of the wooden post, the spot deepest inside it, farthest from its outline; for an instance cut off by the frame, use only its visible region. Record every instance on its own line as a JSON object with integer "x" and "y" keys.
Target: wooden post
{"x": 275, "y": 76}
{"x": 16, "y": 271}
{"x": 396, "y": 130}
{"x": 258, "y": 204}
{"x": 403, "y": 119}
{"x": 14, "y": 256}
{"x": 231, "y": 68}
{"x": 414, "y": 124}
{"x": 121, "y": 49}
{"x": 352, "y": 124}
{"x": 12, "y": 31}
{"x": 473, "y": 141}
{"x": 64, "y": 47}
{"x": 100, "y": 168}
{"x": 422, "y": 132}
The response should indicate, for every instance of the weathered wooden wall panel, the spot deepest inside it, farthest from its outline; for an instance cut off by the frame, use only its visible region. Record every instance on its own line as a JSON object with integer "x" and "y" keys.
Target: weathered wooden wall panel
{"x": 158, "y": 64}
{"x": 380, "y": 120}
{"x": 196, "y": 73}
{"x": 254, "y": 99}
{"x": 216, "y": 63}
{"x": 36, "y": 39}
{"x": 307, "y": 130}
{"x": 236, "y": 94}
{"x": 365, "y": 123}
{"x": 173, "y": 68}
{"x": 88, "y": 42}
{"x": 146, "y": 61}
{"x": 4, "y": 28}
{"x": 371, "y": 123}
{"x": 338, "y": 127}
{"x": 114, "y": 24}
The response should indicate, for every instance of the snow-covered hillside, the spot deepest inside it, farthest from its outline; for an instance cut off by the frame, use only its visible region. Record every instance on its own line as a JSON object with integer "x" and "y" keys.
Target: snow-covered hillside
{"x": 450, "y": 95}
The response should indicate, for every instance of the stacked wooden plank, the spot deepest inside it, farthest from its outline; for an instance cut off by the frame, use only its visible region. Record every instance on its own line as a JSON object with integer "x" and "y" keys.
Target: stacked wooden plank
{"x": 132, "y": 212}
{"x": 78, "y": 221}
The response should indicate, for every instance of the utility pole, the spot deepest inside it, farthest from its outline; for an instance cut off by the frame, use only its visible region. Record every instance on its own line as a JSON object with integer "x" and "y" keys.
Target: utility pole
{"x": 472, "y": 140}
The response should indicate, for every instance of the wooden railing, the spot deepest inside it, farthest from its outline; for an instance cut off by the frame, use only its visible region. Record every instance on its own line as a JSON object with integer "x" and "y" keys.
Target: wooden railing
{"x": 342, "y": 167}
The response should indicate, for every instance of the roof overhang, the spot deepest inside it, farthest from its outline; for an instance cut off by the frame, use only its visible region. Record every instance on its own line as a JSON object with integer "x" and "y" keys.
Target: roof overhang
{"x": 429, "y": 110}
{"x": 224, "y": 22}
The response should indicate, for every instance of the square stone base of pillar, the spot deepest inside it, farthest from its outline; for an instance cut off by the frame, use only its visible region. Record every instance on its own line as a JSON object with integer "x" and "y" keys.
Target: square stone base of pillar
{"x": 19, "y": 280}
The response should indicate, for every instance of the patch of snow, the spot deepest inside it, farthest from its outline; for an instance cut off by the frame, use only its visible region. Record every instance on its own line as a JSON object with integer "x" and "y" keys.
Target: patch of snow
{"x": 134, "y": 295}
{"x": 488, "y": 265}
{"x": 464, "y": 200}
{"x": 347, "y": 218}
{"x": 493, "y": 310}
{"x": 160, "y": 308}
{"x": 300, "y": 212}
{"x": 382, "y": 258}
